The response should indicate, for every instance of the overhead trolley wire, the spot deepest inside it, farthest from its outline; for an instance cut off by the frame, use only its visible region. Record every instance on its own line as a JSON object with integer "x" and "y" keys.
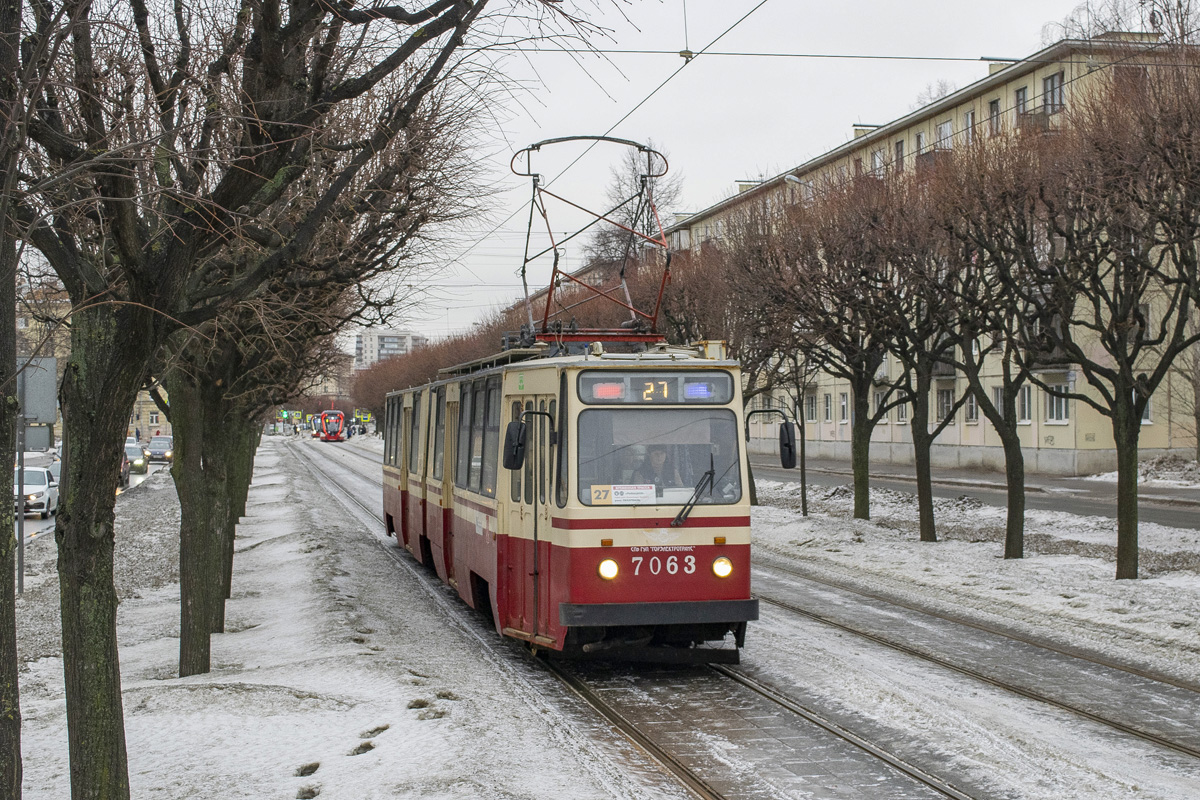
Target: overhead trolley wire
{"x": 614, "y": 125}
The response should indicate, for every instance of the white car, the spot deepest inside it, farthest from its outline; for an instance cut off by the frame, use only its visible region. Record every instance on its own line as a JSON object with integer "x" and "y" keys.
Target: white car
{"x": 41, "y": 491}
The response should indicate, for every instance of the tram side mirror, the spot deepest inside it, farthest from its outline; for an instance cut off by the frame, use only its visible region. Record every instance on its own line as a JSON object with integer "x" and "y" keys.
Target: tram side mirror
{"x": 514, "y": 445}
{"x": 787, "y": 445}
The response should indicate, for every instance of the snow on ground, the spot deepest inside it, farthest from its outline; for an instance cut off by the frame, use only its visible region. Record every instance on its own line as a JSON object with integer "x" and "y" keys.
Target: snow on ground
{"x": 337, "y": 679}
{"x": 1166, "y": 471}
{"x": 1064, "y": 587}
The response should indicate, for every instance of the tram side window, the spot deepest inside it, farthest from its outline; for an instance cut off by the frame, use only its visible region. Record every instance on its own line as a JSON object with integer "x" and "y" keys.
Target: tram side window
{"x": 414, "y": 435}
{"x": 515, "y": 475}
{"x": 439, "y": 432}
{"x": 530, "y": 443}
{"x": 392, "y": 428}
{"x": 560, "y": 482}
{"x": 542, "y": 444}
{"x": 478, "y": 408}
{"x": 552, "y": 448}
{"x": 491, "y": 436}
{"x": 464, "y": 436}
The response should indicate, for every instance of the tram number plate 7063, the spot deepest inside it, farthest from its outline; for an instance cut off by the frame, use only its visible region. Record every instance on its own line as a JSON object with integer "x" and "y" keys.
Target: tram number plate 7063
{"x": 656, "y": 565}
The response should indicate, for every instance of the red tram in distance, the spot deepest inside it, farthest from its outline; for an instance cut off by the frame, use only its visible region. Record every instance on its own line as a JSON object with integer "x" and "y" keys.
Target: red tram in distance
{"x": 332, "y": 426}
{"x": 624, "y": 530}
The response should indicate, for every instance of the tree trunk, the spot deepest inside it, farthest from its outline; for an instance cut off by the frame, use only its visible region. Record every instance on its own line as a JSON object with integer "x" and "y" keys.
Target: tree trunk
{"x": 10, "y": 105}
{"x": 860, "y": 451}
{"x": 802, "y": 433}
{"x": 10, "y": 707}
{"x": 199, "y": 469}
{"x": 1195, "y": 359}
{"x": 922, "y": 449}
{"x": 99, "y": 387}
{"x": 1126, "y": 431}
{"x": 1014, "y": 469}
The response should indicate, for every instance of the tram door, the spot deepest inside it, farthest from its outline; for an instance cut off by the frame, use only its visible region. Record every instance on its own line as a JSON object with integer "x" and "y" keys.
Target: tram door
{"x": 528, "y": 562}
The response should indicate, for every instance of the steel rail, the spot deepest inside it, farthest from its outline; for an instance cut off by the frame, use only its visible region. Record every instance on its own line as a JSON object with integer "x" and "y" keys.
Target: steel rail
{"x": 892, "y": 760}
{"x": 1062, "y": 649}
{"x": 942, "y": 662}
{"x": 630, "y": 730}
{"x": 687, "y": 777}
{"x": 998, "y": 683}
{"x": 671, "y": 765}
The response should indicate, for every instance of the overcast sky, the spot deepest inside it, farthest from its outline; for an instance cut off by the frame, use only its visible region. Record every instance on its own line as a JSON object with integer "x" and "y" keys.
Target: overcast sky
{"x": 722, "y": 117}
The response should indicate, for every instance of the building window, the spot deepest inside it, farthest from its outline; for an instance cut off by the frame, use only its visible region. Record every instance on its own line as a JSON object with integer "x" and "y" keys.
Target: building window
{"x": 902, "y": 413}
{"x": 969, "y": 128}
{"x": 919, "y": 142}
{"x": 945, "y": 403}
{"x": 1021, "y": 100}
{"x": 879, "y": 401}
{"x": 998, "y": 399}
{"x": 944, "y": 131}
{"x": 1052, "y": 93}
{"x": 1146, "y": 418}
{"x": 844, "y": 407}
{"x": 153, "y": 417}
{"x": 972, "y": 409}
{"x": 877, "y": 162}
{"x": 1056, "y": 406}
{"x": 829, "y": 408}
{"x": 994, "y": 117}
{"x": 810, "y": 407}
{"x": 1025, "y": 404}
{"x": 900, "y": 156}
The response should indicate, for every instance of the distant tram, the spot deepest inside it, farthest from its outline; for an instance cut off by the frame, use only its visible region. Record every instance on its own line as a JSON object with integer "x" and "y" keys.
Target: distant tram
{"x": 624, "y": 530}
{"x": 332, "y": 426}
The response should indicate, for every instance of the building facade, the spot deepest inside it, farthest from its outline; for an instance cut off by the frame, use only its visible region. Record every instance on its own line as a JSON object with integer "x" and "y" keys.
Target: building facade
{"x": 374, "y": 345}
{"x": 1063, "y": 436}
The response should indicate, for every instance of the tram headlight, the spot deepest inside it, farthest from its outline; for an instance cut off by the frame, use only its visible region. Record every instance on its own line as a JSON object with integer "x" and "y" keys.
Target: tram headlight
{"x": 608, "y": 569}
{"x": 722, "y": 567}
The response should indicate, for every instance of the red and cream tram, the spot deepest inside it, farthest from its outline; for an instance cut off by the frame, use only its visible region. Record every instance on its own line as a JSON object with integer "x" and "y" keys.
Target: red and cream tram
{"x": 332, "y": 426}
{"x": 624, "y": 533}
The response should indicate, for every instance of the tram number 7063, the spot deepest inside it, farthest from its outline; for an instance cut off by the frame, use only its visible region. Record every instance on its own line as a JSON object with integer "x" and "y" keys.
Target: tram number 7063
{"x": 670, "y": 563}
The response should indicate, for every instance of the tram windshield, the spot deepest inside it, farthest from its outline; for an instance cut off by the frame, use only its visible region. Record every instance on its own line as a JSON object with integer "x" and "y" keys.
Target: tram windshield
{"x": 657, "y": 456}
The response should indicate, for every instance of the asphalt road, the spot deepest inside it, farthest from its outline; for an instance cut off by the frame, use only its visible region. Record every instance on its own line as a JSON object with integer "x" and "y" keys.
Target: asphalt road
{"x": 1178, "y": 508}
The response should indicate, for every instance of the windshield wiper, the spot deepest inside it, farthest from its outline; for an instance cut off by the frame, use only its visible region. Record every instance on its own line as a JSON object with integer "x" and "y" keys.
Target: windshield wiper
{"x": 710, "y": 478}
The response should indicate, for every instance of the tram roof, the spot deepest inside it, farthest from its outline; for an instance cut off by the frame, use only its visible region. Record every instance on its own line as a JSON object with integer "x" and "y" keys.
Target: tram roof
{"x": 658, "y": 356}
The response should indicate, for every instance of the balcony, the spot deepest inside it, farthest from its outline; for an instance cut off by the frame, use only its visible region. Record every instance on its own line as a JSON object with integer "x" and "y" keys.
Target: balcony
{"x": 1036, "y": 122}
{"x": 930, "y": 159}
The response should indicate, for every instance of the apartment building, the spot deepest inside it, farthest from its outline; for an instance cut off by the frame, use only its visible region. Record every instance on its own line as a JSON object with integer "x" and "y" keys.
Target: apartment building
{"x": 374, "y": 345}
{"x": 1059, "y": 435}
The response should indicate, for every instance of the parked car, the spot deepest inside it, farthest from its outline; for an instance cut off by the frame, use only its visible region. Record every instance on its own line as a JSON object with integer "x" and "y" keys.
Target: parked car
{"x": 160, "y": 448}
{"x": 41, "y": 492}
{"x": 138, "y": 460}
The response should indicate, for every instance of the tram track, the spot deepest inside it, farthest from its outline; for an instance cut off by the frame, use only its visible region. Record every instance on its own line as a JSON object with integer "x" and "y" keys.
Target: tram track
{"x": 1101, "y": 715}
{"x": 1175, "y": 715}
{"x": 697, "y": 783}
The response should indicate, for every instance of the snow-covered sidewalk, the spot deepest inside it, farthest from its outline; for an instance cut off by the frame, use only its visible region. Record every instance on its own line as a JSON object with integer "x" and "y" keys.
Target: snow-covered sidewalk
{"x": 335, "y": 677}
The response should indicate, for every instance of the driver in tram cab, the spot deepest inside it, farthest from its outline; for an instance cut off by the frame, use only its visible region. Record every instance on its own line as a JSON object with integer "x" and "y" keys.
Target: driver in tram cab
{"x": 658, "y": 469}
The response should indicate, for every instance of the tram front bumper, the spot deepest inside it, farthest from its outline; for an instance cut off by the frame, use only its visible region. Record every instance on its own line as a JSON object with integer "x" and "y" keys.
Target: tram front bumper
{"x": 596, "y": 615}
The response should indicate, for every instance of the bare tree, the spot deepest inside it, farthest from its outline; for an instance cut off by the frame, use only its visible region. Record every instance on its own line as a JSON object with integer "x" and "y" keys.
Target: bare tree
{"x": 631, "y": 207}
{"x": 163, "y": 135}
{"x": 986, "y": 199}
{"x": 811, "y": 282}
